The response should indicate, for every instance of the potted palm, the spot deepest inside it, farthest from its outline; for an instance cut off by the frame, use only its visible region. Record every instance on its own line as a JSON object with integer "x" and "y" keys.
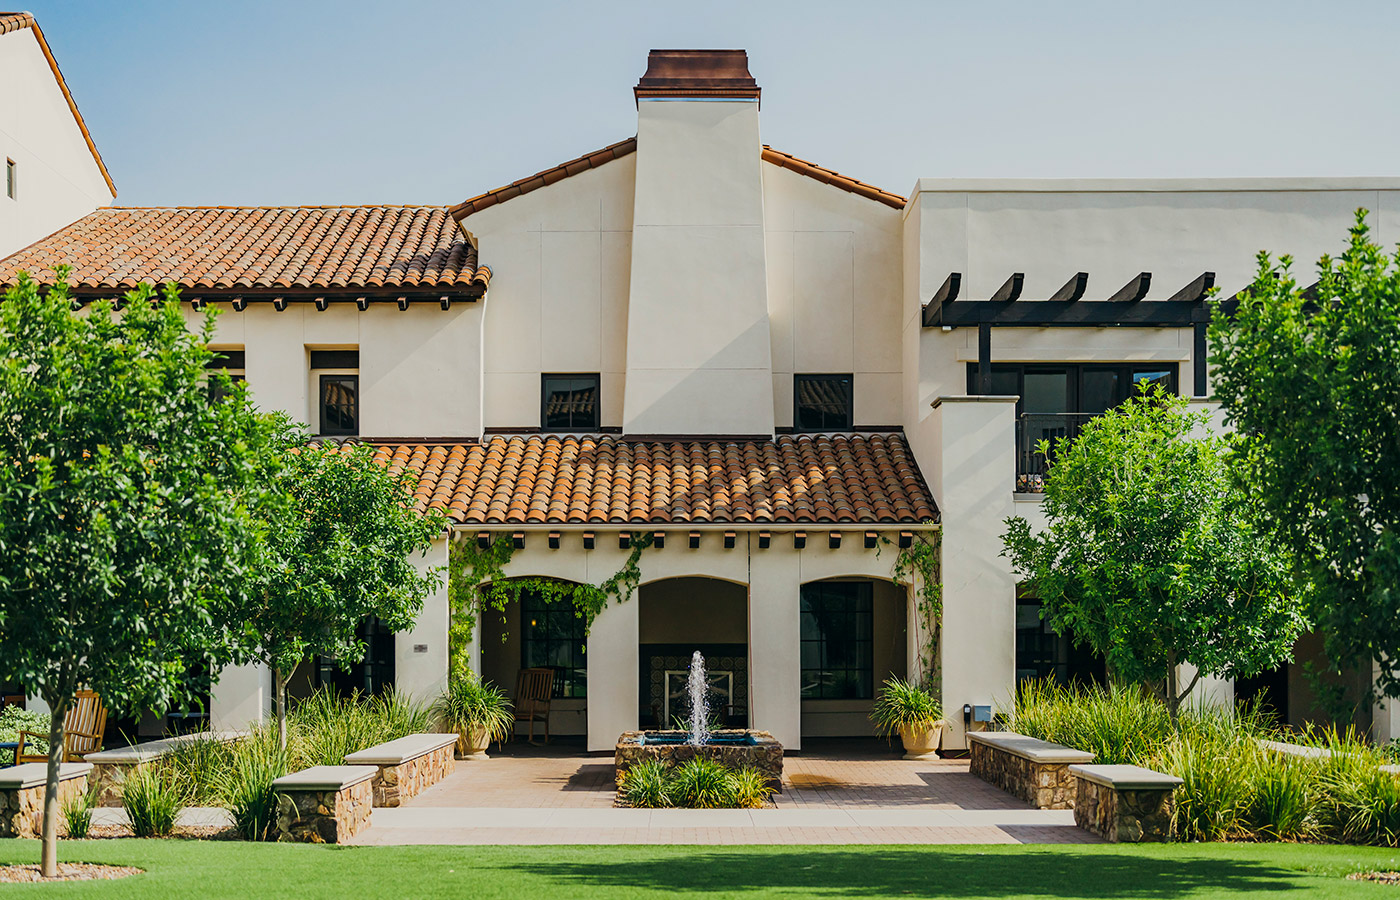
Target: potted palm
{"x": 903, "y": 708}
{"x": 478, "y": 711}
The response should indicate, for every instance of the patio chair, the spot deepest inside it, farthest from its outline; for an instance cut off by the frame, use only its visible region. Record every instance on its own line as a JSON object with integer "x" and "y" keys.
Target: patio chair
{"x": 533, "y": 691}
{"x": 82, "y": 731}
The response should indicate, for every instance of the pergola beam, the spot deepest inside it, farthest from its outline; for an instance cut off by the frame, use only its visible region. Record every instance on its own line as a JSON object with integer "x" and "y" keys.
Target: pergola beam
{"x": 1010, "y": 291}
{"x": 1134, "y": 290}
{"x": 1073, "y": 289}
{"x": 1195, "y": 291}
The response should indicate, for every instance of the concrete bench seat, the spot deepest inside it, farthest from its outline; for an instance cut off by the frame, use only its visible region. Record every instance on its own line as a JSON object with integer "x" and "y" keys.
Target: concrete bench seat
{"x": 324, "y": 804}
{"x": 1027, "y": 768}
{"x": 407, "y": 766}
{"x": 1301, "y": 751}
{"x": 22, "y": 790}
{"x": 115, "y": 765}
{"x": 1124, "y": 804}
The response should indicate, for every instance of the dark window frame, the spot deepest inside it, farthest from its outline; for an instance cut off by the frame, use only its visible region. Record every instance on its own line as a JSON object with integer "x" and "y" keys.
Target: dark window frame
{"x": 574, "y": 425}
{"x": 545, "y": 628}
{"x": 836, "y": 622}
{"x": 846, "y": 381}
{"x": 1076, "y": 372}
{"x": 324, "y": 417}
{"x": 335, "y": 359}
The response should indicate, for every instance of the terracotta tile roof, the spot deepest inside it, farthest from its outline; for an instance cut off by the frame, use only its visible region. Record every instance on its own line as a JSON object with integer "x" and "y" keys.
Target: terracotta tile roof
{"x": 622, "y": 148}
{"x": 15, "y": 21}
{"x": 541, "y": 179}
{"x": 555, "y": 479}
{"x": 833, "y": 178}
{"x": 219, "y": 247}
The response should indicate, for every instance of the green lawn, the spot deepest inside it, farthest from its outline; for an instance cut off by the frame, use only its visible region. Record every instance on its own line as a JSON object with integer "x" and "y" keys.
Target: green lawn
{"x": 216, "y": 870}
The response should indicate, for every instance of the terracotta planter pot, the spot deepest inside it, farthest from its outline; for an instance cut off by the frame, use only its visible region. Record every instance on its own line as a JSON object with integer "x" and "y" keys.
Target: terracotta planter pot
{"x": 921, "y": 742}
{"x": 472, "y": 743}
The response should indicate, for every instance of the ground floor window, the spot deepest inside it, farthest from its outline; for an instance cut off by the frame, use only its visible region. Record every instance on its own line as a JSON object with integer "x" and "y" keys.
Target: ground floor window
{"x": 372, "y": 675}
{"x": 838, "y": 625}
{"x": 1041, "y": 652}
{"x": 554, "y": 636}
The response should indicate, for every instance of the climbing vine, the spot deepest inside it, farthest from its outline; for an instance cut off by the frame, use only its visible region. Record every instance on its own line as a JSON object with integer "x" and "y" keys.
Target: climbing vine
{"x": 477, "y": 581}
{"x": 921, "y": 559}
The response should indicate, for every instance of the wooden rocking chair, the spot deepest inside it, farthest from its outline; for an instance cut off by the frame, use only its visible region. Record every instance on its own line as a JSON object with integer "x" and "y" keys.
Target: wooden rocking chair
{"x": 533, "y": 691}
{"x": 82, "y": 731}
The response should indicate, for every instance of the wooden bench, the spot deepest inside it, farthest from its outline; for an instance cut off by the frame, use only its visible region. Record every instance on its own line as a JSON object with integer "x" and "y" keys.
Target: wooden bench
{"x": 1125, "y": 804}
{"x": 22, "y": 795}
{"x": 407, "y": 766}
{"x": 1029, "y": 769}
{"x": 115, "y": 765}
{"x": 324, "y": 804}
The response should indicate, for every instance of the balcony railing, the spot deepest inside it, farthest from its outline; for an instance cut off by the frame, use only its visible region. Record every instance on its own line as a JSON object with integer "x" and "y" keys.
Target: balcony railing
{"x": 1031, "y": 464}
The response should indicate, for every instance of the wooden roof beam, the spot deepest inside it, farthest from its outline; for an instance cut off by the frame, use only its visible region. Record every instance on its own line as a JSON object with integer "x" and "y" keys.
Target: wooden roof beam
{"x": 1134, "y": 290}
{"x": 1196, "y": 290}
{"x": 1011, "y": 290}
{"x": 947, "y": 293}
{"x": 1072, "y": 289}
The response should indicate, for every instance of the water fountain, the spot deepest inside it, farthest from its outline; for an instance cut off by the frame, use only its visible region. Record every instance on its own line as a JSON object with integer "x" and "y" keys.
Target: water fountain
{"x": 736, "y": 748}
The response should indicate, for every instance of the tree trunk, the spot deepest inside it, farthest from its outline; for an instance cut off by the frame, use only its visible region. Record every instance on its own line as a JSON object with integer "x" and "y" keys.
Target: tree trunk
{"x": 280, "y": 681}
{"x": 49, "y": 853}
{"x": 1173, "y": 694}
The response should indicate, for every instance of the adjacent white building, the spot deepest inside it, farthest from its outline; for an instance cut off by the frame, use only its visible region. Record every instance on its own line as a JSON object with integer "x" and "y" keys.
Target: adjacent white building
{"x": 778, "y": 373}
{"x": 53, "y": 172}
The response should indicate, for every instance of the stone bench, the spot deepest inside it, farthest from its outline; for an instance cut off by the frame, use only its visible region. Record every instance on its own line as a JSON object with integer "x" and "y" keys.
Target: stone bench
{"x": 112, "y": 766}
{"x": 22, "y": 795}
{"x": 407, "y": 766}
{"x": 1125, "y": 804}
{"x": 1029, "y": 769}
{"x": 324, "y": 804}
{"x": 1315, "y": 754}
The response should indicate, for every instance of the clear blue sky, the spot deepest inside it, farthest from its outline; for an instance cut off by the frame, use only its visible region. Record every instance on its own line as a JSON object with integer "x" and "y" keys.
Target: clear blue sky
{"x": 418, "y": 101}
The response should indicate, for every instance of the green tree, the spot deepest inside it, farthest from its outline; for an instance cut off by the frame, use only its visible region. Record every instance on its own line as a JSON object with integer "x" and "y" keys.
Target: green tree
{"x": 123, "y": 491}
{"x": 1312, "y": 386}
{"x": 1151, "y": 554}
{"x": 339, "y": 535}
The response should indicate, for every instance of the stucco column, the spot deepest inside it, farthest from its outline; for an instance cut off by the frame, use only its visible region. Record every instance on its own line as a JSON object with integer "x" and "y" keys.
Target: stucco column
{"x": 241, "y": 697}
{"x": 775, "y": 645}
{"x": 420, "y": 654}
{"x": 972, "y": 478}
{"x": 614, "y": 663}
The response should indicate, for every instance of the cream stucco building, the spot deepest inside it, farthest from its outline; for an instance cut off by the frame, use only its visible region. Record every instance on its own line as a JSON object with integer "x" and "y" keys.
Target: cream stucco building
{"x": 782, "y": 376}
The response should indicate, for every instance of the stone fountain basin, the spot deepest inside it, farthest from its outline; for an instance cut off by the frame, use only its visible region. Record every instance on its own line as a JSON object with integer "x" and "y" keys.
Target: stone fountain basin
{"x": 735, "y": 748}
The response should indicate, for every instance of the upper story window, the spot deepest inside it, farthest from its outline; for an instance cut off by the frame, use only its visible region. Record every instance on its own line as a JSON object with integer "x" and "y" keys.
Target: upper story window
{"x": 232, "y": 364}
{"x": 569, "y": 403}
{"x": 1057, "y": 399}
{"x": 337, "y": 375}
{"x": 822, "y": 403}
{"x": 11, "y": 176}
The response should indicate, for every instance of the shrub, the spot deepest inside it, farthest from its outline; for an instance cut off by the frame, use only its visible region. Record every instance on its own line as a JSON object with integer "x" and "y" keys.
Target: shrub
{"x": 646, "y": 785}
{"x": 751, "y": 790}
{"x": 1360, "y": 802}
{"x": 198, "y": 768}
{"x": 246, "y": 787}
{"x": 1284, "y": 801}
{"x": 151, "y": 801}
{"x": 13, "y": 720}
{"x": 470, "y": 704}
{"x": 703, "y": 784}
{"x": 1117, "y": 725}
{"x": 77, "y": 812}
{"x": 1217, "y": 769}
{"x": 901, "y": 704}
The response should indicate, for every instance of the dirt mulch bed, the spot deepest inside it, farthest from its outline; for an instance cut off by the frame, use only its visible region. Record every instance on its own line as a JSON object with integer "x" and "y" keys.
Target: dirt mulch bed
{"x": 1378, "y": 877}
{"x": 66, "y": 872}
{"x": 181, "y": 832}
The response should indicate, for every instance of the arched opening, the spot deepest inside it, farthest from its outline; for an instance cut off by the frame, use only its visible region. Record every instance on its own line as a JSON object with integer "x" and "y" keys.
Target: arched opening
{"x": 854, "y": 635}
{"x": 678, "y": 616}
{"x": 530, "y": 633}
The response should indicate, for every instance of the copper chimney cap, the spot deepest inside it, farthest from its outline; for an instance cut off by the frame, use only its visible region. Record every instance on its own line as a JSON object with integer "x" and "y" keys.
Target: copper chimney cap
{"x": 697, "y": 73}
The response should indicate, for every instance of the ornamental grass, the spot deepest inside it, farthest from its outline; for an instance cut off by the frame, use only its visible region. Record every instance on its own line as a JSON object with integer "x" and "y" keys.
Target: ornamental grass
{"x": 694, "y": 784}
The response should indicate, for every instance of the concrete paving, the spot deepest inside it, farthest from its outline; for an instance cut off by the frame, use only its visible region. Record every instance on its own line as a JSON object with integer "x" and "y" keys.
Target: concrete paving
{"x": 855, "y": 793}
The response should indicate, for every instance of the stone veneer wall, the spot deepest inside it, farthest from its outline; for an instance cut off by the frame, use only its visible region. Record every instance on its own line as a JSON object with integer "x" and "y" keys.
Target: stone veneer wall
{"x": 108, "y": 777}
{"x": 324, "y": 816}
{"x": 765, "y": 755}
{"x": 1042, "y": 785}
{"x": 1124, "y": 816}
{"x": 22, "y": 809}
{"x": 395, "y": 784}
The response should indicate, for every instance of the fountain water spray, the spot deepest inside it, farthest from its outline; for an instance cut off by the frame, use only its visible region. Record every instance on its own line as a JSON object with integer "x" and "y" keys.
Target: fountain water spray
{"x": 699, "y": 688}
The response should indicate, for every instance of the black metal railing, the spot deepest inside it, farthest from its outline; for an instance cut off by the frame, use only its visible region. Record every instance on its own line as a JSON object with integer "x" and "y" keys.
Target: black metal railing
{"x": 1031, "y": 464}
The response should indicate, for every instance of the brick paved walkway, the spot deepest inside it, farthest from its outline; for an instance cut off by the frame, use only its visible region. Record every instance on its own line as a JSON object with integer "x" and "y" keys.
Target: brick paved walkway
{"x": 833, "y": 793}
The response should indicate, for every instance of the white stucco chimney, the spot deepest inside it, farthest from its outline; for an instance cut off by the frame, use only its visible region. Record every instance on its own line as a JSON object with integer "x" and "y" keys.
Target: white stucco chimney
{"x": 699, "y": 359}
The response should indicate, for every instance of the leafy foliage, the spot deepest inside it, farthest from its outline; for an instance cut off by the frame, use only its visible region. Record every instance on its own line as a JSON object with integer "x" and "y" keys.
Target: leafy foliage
{"x": 922, "y": 558}
{"x": 13, "y": 720}
{"x": 124, "y": 494}
{"x": 152, "y": 802}
{"x": 341, "y": 533}
{"x": 1152, "y": 554}
{"x": 469, "y": 704}
{"x": 1313, "y": 389}
{"x": 900, "y": 704}
{"x": 477, "y": 580}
